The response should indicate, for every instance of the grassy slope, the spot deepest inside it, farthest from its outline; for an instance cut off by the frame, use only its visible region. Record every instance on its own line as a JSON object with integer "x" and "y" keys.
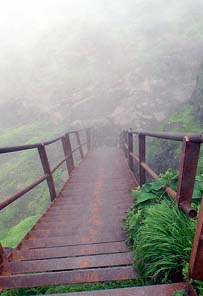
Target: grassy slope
{"x": 18, "y": 170}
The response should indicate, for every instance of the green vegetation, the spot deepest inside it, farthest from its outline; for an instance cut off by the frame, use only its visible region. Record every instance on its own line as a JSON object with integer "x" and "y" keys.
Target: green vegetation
{"x": 165, "y": 154}
{"x": 163, "y": 243}
{"x": 21, "y": 169}
{"x": 17, "y": 232}
{"x": 161, "y": 235}
{"x": 74, "y": 288}
{"x": 180, "y": 293}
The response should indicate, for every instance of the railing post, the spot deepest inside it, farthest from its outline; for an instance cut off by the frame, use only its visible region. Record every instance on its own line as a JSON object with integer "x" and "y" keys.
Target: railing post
{"x": 88, "y": 135}
{"x": 79, "y": 144}
{"x": 47, "y": 170}
{"x": 3, "y": 257}
{"x": 125, "y": 141}
{"x": 130, "y": 149}
{"x": 187, "y": 173}
{"x": 142, "y": 153}
{"x": 196, "y": 258}
{"x": 68, "y": 153}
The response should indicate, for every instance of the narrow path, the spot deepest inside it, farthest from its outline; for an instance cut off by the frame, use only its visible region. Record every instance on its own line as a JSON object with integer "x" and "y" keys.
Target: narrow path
{"x": 80, "y": 238}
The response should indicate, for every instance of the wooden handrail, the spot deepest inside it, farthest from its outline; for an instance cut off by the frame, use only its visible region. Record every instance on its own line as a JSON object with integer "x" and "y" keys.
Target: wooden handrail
{"x": 193, "y": 137}
{"x": 35, "y": 145}
{"x": 48, "y": 172}
{"x": 8, "y": 200}
{"x": 188, "y": 164}
{"x": 187, "y": 173}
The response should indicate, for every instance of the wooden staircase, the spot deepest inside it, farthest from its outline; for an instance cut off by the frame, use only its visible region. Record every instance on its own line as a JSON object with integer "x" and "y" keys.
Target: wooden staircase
{"x": 80, "y": 237}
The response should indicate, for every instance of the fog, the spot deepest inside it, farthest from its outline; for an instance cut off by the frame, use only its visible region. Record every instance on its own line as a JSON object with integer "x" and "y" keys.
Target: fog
{"x": 84, "y": 62}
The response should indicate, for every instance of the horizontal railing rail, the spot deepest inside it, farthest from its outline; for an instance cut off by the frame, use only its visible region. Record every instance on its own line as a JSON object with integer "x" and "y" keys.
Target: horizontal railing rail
{"x": 189, "y": 160}
{"x": 48, "y": 172}
{"x": 9, "y": 149}
{"x": 193, "y": 137}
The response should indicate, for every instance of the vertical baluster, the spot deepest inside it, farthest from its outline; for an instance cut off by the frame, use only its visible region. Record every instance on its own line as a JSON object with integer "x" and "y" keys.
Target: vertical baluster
{"x": 142, "y": 153}
{"x": 79, "y": 144}
{"x": 122, "y": 140}
{"x": 188, "y": 166}
{"x": 3, "y": 257}
{"x": 88, "y": 136}
{"x": 68, "y": 153}
{"x": 47, "y": 170}
{"x": 125, "y": 133}
{"x": 130, "y": 150}
{"x": 196, "y": 258}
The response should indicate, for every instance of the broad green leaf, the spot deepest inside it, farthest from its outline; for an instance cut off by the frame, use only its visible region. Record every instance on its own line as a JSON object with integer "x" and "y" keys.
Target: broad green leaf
{"x": 147, "y": 187}
{"x": 158, "y": 184}
{"x": 197, "y": 194}
{"x": 134, "y": 192}
{"x": 143, "y": 197}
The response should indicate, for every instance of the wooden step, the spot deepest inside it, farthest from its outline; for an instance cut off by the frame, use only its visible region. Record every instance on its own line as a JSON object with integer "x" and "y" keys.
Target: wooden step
{"x": 80, "y": 238}
{"x": 72, "y": 232}
{"x": 67, "y": 277}
{"x": 70, "y": 263}
{"x": 159, "y": 290}
{"x": 72, "y": 240}
{"x": 70, "y": 251}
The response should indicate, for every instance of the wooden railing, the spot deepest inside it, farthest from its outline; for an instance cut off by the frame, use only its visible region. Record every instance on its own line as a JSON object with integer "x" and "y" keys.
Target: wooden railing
{"x": 48, "y": 172}
{"x": 187, "y": 172}
{"x": 188, "y": 163}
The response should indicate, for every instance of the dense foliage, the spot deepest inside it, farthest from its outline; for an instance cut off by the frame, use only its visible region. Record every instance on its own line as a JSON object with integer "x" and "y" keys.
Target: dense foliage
{"x": 160, "y": 233}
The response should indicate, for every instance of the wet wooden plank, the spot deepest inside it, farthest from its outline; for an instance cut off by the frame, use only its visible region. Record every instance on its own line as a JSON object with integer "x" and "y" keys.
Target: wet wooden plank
{"x": 71, "y": 251}
{"x": 73, "y": 240}
{"x": 67, "y": 277}
{"x": 74, "y": 231}
{"x": 87, "y": 225}
{"x": 159, "y": 290}
{"x": 70, "y": 263}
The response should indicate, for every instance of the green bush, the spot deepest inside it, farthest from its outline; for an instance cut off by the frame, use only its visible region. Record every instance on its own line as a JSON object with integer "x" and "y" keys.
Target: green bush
{"x": 160, "y": 233}
{"x": 163, "y": 242}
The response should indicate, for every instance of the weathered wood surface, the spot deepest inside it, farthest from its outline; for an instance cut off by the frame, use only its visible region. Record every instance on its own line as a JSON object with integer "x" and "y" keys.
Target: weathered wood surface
{"x": 80, "y": 238}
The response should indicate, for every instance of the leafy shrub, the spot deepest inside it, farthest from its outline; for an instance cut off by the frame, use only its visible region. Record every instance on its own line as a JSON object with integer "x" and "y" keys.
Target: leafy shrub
{"x": 148, "y": 194}
{"x": 160, "y": 233}
{"x": 163, "y": 242}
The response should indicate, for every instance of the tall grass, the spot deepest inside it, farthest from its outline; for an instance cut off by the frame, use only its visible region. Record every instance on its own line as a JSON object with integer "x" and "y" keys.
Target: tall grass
{"x": 163, "y": 242}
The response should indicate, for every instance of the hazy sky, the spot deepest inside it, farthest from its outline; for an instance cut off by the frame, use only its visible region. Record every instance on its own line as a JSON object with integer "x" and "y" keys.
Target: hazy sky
{"x": 24, "y": 20}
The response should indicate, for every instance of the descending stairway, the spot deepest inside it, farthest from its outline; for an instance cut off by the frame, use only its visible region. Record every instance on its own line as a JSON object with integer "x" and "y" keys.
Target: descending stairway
{"x": 80, "y": 238}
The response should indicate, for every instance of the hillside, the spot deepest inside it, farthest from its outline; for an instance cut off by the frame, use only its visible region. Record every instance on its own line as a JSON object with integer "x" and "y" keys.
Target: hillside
{"x": 187, "y": 118}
